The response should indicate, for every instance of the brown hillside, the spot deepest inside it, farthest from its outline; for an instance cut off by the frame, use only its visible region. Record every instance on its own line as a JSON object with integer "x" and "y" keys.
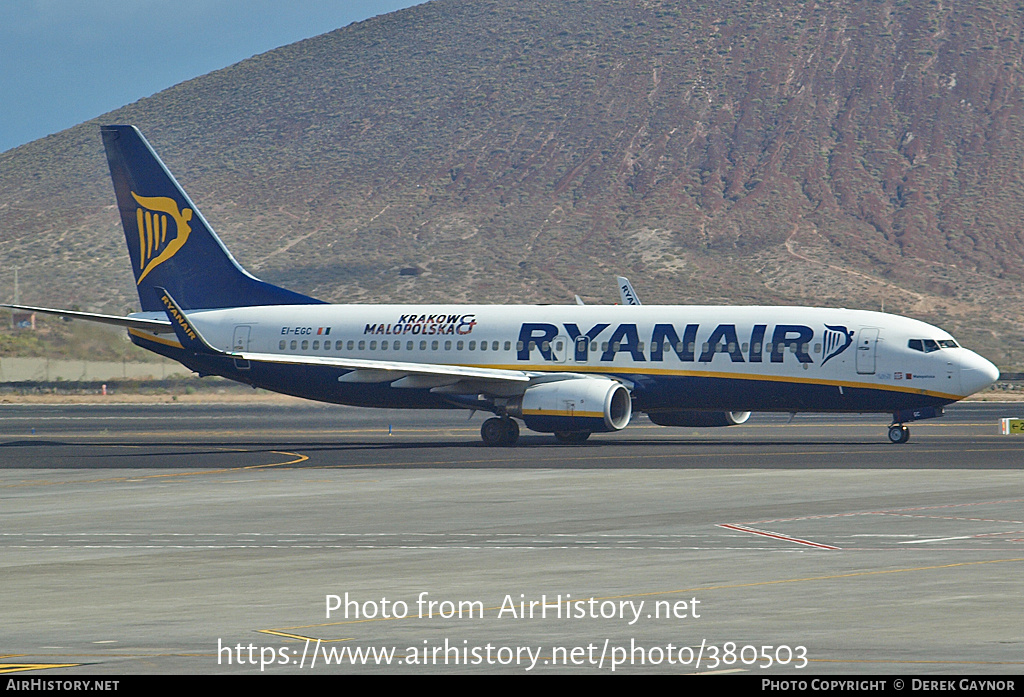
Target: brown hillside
{"x": 849, "y": 153}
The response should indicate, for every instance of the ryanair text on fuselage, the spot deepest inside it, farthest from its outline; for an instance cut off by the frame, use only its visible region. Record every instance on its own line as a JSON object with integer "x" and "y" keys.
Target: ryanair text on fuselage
{"x": 688, "y": 344}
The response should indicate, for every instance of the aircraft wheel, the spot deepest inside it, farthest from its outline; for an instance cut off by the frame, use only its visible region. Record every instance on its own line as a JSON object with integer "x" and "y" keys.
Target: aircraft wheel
{"x": 498, "y": 432}
{"x": 572, "y": 437}
{"x": 898, "y": 433}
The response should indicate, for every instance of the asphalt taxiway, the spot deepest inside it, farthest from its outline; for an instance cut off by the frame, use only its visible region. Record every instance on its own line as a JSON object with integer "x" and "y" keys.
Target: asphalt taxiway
{"x": 213, "y": 538}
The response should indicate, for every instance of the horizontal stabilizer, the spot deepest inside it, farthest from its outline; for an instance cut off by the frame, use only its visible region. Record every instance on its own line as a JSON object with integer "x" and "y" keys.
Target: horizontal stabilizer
{"x": 158, "y": 326}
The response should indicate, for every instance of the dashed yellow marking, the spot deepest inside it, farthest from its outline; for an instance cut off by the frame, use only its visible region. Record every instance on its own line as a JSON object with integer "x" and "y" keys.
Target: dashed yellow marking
{"x": 301, "y": 637}
{"x": 297, "y": 458}
{"x": 23, "y": 667}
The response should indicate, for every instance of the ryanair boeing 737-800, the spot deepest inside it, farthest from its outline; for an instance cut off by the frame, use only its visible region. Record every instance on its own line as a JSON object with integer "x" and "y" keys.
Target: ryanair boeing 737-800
{"x": 569, "y": 370}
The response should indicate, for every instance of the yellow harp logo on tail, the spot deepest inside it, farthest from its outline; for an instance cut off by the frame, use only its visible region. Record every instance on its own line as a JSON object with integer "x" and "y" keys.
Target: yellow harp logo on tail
{"x": 157, "y": 243}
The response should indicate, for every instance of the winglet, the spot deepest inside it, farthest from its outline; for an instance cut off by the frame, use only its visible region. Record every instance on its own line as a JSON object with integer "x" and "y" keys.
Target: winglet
{"x": 186, "y": 332}
{"x": 626, "y": 292}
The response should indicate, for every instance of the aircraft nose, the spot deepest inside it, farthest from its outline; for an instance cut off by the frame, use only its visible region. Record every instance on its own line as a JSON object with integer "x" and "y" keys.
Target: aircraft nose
{"x": 976, "y": 373}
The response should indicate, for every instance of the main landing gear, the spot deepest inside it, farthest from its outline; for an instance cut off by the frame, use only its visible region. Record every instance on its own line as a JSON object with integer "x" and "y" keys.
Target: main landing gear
{"x": 500, "y": 431}
{"x": 899, "y": 433}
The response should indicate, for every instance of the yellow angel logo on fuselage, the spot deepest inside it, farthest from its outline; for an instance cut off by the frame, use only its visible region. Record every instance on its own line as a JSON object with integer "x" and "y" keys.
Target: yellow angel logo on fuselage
{"x": 153, "y": 215}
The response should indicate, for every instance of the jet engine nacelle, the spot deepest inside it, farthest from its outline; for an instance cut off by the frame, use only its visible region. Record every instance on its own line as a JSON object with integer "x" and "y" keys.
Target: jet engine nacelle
{"x": 699, "y": 418}
{"x": 567, "y": 406}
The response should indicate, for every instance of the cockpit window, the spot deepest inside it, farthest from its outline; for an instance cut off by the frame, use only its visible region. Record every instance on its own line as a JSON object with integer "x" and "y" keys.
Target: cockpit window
{"x": 929, "y": 345}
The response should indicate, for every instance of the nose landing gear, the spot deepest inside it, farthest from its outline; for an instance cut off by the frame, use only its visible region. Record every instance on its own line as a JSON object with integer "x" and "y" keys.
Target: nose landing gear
{"x": 899, "y": 433}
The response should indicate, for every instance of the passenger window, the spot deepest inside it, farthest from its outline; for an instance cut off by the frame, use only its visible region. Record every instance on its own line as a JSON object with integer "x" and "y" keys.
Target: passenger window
{"x": 305, "y": 345}
{"x": 459, "y": 345}
{"x": 383, "y": 346}
{"x": 294, "y": 344}
{"x": 281, "y": 345}
{"x": 408, "y": 345}
{"x": 472, "y": 346}
{"x": 362, "y": 345}
{"x": 373, "y": 345}
{"x": 433, "y": 345}
{"x": 448, "y": 345}
{"x": 316, "y": 345}
{"x": 349, "y": 345}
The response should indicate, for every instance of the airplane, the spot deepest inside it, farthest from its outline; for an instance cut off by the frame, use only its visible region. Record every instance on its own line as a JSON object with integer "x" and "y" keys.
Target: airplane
{"x": 570, "y": 370}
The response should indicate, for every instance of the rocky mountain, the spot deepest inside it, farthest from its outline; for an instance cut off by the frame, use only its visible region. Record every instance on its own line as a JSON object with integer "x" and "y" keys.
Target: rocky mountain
{"x": 861, "y": 153}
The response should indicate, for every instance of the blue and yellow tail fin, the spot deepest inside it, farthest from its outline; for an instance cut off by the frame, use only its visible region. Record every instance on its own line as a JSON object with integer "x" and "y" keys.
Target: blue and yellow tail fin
{"x": 170, "y": 243}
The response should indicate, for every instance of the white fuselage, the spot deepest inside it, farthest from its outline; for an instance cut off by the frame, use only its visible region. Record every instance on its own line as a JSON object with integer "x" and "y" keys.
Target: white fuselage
{"x": 781, "y": 358}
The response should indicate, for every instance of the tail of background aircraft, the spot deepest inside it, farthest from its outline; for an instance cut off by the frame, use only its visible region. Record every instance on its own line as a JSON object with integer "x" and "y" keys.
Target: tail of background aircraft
{"x": 170, "y": 243}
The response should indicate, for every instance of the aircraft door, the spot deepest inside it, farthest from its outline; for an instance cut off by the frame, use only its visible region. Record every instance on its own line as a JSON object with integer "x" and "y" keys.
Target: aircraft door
{"x": 582, "y": 349}
{"x": 240, "y": 344}
{"x": 867, "y": 340}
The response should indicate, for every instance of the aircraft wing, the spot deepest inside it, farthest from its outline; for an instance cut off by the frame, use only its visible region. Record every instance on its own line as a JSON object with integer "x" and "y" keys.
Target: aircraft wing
{"x": 368, "y": 370}
{"x": 158, "y": 326}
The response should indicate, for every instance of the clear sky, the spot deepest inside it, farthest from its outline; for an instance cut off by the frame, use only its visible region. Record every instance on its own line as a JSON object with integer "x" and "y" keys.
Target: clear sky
{"x": 66, "y": 61}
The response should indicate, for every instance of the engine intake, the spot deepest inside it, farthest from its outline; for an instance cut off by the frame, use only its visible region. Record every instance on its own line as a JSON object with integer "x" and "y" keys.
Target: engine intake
{"x": 582, "y": 404}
